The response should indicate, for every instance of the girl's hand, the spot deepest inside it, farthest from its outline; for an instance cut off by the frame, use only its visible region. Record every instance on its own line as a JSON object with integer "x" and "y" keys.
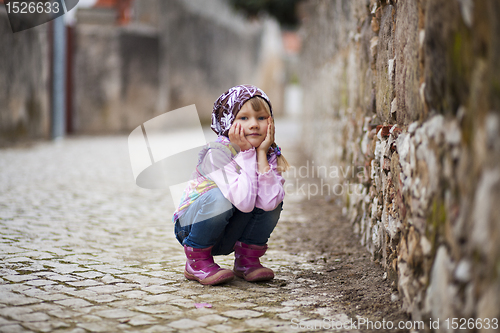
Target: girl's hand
{"x": 237, "y": 137}
{"x": 269, "y": 140}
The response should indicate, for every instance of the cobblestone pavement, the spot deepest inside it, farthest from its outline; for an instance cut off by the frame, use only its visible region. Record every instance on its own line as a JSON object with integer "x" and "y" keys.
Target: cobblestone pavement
{"x": 85, "y": 250}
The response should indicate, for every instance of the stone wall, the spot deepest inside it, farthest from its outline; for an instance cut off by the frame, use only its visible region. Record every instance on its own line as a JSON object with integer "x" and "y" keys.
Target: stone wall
{"x": 116, "y": 85}
{"x": 406, "y": 94}
{"x": 175, "y": 53}
{"x": 24, "y": 86}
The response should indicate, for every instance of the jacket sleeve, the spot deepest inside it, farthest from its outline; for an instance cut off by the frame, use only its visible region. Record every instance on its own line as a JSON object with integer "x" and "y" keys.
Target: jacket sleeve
{"x": 235, "y": 177}
{"x": 270, "y": 187}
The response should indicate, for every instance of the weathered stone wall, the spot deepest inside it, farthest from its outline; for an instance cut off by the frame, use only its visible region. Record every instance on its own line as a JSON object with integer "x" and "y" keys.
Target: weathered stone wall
{"x": 24, "y": 88}
{"x": 407, "y": 94}
{"x": 116, "y": 85}
{"x": 175, "y": 53}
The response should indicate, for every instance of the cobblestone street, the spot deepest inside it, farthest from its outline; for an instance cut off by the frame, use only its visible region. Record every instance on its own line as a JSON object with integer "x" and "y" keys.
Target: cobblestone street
{"x": 83, "y": 249}
{"x": 388, "y": 113}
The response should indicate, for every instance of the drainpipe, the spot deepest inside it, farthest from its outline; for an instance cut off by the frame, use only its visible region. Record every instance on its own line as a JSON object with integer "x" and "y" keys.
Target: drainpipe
{"x": 59, "y": 78}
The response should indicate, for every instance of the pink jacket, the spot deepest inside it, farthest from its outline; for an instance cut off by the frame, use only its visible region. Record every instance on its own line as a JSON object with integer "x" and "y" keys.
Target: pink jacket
{"x": 242, "y": 184}
{"x": 236, "y": 175}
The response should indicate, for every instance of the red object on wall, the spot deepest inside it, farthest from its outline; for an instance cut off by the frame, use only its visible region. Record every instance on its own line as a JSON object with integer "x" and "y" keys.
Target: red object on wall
{"x": 386, "y": 130}
{"x": 291, "y": 42}
{"x": 122, "y": 7}
{"x": 106, "y": 3}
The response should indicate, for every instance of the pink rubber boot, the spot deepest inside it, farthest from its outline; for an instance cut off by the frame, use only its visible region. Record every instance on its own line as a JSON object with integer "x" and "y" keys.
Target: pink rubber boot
{"x": 247, "y": 264}
{"x": 200, "y": 266}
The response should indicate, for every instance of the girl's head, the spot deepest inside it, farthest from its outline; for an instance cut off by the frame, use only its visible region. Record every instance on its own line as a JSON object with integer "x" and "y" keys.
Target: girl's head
{"x": 251, "y": 107}
{"x": 253, "y": 118}
{"x": 229, "y": 104}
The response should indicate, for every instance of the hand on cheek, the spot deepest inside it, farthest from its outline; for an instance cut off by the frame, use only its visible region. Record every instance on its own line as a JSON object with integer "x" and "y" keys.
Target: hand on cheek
{"x": 269, "y": 139}
{"x": 237, "y": 137}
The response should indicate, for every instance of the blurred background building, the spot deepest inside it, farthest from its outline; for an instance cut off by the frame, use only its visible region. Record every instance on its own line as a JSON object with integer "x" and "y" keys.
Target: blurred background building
{"x": 130, "y": 60}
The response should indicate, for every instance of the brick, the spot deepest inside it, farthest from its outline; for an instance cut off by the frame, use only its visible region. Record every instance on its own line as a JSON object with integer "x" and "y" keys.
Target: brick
{"x": 116, "y": 313}
{"x": 186, "y": 324}
{"x": 74, "y": 303}
{"x": 242, "y": 314}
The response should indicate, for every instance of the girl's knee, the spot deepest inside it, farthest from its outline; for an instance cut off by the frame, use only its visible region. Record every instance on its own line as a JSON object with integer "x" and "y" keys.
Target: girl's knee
{"x": 275, "y": 212}
{"x": 216, "y": 209}
{"x": 279, "y": 208}
{"x": 272, "y": 216}
{"x": 217, "y": 201}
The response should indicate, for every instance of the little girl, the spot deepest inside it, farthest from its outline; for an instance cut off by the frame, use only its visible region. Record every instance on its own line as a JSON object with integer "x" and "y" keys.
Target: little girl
{"x": 236, "y": 195}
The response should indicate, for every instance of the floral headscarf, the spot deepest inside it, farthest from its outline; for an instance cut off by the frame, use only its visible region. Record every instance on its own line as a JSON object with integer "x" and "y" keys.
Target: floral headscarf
{"x": 229, "y": 104}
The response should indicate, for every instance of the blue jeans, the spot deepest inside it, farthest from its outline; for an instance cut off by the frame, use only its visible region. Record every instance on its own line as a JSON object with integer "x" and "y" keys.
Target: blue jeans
{"x": 212, "y": 220}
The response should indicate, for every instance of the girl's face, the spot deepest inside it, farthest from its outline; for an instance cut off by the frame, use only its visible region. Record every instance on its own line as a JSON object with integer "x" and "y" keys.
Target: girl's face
{"x": 253, "y": 123}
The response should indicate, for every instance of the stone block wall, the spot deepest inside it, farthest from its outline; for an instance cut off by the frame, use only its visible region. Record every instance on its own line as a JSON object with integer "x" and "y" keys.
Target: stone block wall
{"x": 24, "y": 86}
{"x": 116, "y": 85}
{"x": 175, "y": 53}
{"x": 404, "y": 97}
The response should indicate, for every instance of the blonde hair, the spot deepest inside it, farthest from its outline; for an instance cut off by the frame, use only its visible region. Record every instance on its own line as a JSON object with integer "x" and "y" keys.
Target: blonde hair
{"x": 257, "y": 104}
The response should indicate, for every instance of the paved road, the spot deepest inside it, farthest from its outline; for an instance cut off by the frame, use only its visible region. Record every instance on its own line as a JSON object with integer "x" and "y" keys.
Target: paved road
{"x": 85, "y": 250}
